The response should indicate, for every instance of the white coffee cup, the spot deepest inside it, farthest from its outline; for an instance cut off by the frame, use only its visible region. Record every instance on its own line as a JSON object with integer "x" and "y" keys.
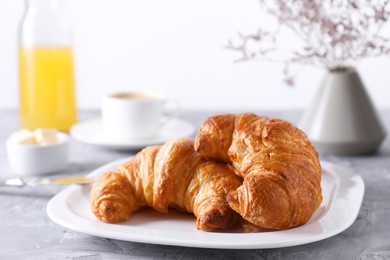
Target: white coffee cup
{"x": 135, "y": 115}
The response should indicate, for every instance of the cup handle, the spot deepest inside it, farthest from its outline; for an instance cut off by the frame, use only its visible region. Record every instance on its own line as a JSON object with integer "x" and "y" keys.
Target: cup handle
{"x": 171, "y": 110}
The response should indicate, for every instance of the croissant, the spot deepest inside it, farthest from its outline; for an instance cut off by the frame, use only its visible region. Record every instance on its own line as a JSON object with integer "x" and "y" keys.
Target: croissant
{"x": 280, "y": 167}
{"x": 168, "y": 176}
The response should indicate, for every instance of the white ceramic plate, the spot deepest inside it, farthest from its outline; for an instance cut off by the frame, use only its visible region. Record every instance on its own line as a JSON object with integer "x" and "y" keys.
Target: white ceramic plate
{"x": 342, "y": 196}
{"x": 91, "y": 132}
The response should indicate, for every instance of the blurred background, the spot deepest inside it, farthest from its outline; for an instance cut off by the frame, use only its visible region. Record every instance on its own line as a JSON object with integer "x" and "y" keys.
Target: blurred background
{"x": 177, "y": 48}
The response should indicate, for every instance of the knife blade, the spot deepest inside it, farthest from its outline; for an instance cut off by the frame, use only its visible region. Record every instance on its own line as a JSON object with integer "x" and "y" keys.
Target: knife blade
{"x": 20, "y": 182}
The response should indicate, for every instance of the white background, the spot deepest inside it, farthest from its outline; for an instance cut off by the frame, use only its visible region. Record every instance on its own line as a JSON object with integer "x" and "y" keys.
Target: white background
{"x": 174, "y": 47}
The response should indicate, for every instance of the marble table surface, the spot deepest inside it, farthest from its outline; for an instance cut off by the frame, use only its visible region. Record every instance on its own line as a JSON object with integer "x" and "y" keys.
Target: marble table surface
{"x": 26, "y": 232}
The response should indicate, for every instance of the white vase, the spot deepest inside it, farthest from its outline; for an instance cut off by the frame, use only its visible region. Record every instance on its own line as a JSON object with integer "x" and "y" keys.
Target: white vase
{"x": 342, "y": 118}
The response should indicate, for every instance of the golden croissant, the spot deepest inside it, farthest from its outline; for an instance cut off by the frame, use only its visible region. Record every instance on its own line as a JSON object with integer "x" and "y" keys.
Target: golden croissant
{"x": 280, "y": 167}
{"x": 168, "y": 176}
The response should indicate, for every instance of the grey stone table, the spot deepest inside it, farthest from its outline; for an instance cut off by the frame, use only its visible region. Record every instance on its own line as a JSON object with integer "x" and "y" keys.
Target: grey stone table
{"x": 26, "y": 232}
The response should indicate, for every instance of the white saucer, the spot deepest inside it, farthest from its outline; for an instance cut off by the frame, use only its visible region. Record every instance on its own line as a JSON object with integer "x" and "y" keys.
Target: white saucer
{"x": 91, "y": 132}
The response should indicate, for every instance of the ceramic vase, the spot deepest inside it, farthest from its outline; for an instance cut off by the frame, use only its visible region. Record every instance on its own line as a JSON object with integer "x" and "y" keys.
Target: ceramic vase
{"x": 342, "y": 119}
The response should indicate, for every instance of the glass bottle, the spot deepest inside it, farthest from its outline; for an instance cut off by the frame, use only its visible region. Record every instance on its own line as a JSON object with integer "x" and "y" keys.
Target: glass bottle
{"x": 46, "y": 71}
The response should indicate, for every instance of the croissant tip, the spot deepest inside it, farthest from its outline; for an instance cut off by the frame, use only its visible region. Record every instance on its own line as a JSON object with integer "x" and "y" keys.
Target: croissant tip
{"x": 111, "y": 212}
{"x": 219, "y": 218}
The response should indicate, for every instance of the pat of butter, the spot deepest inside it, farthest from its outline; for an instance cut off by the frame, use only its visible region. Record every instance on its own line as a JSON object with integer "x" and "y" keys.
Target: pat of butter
{"x": 23, "y": 136}
{"x": 39, "y": 136}
{"x": 45, "y": 135}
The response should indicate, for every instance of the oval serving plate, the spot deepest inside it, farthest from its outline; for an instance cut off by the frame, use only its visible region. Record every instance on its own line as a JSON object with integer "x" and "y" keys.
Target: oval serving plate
{"x": 342, "y": 197}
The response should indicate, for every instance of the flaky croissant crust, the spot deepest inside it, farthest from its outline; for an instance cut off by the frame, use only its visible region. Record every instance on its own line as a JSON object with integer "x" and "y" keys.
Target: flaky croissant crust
{"x": 168, "y": 176}
{"x": 280, "y": 167}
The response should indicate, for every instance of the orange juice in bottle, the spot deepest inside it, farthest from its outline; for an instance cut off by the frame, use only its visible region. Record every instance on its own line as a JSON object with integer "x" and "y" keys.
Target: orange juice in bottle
{"x": 46, "y": 71}
{"x": 47, "y": 97}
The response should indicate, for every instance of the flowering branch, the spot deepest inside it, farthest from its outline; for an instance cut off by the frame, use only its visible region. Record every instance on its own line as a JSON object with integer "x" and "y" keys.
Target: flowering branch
{"x": 335, "y": 34}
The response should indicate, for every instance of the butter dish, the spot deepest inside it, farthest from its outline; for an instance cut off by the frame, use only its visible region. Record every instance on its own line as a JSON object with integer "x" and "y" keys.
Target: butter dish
{"x": 36, "y": 159}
